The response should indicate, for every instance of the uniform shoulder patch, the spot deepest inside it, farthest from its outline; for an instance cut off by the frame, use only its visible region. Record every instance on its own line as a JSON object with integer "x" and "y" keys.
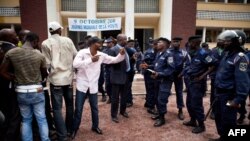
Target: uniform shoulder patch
{"x": 243, "y": 66}
{"x": 241, "y": 54}
{"x": 209, "y": 59}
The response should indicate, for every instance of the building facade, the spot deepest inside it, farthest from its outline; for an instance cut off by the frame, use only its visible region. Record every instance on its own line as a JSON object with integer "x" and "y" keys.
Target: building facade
{"x": 141, "y": 19}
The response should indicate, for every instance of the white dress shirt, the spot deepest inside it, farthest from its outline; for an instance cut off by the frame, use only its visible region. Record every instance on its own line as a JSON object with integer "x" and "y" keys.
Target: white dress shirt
{"x": 88, "y": 72}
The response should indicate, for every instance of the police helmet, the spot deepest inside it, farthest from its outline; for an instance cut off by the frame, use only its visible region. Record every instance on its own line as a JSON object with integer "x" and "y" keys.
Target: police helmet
{"x": 242, "y": 37}
{"x": 229, "y": 35}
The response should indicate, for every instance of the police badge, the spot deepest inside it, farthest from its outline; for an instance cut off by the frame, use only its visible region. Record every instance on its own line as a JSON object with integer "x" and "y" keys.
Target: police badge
{"x": 243, "y": 66}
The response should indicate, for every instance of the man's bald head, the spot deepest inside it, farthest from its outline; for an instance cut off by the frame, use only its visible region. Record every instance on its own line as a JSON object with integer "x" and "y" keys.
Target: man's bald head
{"x": 8, "y": 35}
{"x": 22, "y": 34}
{"x": 122, "y": 39}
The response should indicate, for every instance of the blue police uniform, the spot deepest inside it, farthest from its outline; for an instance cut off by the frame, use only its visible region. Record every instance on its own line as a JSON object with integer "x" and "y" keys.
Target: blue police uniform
{"x": 217, "y": 53}
{"x": 200, "y": 61}
{"x": 149, "y": 57}
{"x": 164, "y": 66}
{"x": 108, "y": 85}
{"x": 180, "y": 56}
{"x": 232, "y": 84}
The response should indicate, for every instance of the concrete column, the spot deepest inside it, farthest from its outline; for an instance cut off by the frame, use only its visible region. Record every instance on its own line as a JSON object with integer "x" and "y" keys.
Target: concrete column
{"x": 204, "y": 34}
{"x": 206, "y": 0}
{"x": 245, "y": 1}
{"x": 129, "y": 18}
{"x": 36, "y": 20}
{"x": 12, "y": 26}
{"x": 165, "y": 24}
{"x": 53, "y": 12}
{"x": 226, "y": 1}
{"x": 91, "y": 14}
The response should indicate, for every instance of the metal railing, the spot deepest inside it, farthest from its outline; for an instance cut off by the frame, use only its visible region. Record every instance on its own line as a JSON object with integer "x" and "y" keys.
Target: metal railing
{"x": 146, "y": 6}
{"x": 110, "y": 5}
{"x": 73, "y": 5}
{"x": 10, "y": 11}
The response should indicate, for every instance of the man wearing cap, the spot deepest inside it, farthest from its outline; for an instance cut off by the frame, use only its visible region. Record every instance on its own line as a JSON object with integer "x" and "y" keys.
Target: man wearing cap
{"x": 88, "y": 62}
{"x": 59, "y": 53}
{"x": 163, "y": 74}
{"x": 180, "y": 56}
{"x": 197, "y": 71}
{"x": 148, "y": 63}
{"x": 108, "y": 86}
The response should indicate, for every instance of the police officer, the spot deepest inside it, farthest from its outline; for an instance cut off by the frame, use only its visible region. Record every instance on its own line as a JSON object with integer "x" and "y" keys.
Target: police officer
{"x": 148, "y": 62}
{"x": 197, "y": 72}
{"x": 231, "y": 82}
{"x": 242, "y": 110}
{"x": 217, "y": 53}
{"x": 163, "y": 74}
{"x": 180, "y": 56}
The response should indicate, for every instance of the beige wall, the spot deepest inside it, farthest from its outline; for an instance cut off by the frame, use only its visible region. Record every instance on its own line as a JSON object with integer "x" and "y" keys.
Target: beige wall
{"x": 220, "y": 23}
{"x": 9, "y": 3}
{"x": 10, "y": 20}
{"x": 223, "y": 7}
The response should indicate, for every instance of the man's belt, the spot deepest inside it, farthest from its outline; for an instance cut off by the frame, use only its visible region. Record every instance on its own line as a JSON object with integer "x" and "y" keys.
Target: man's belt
{"x": 36, "y": 90}
{"x": 222, "y": 90}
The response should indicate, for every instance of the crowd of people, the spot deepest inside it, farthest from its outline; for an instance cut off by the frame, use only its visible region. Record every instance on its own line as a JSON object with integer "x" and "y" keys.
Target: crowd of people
{"x": 26, "y": 69}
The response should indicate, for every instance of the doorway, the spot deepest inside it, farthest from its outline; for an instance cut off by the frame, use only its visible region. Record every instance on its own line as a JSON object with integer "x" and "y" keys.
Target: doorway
{"x": 142, "y": 36}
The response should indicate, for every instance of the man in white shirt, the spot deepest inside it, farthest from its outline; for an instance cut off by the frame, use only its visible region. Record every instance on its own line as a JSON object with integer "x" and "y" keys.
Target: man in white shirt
{"x": 88, "y": 62}
{"x": 59, "y": 53}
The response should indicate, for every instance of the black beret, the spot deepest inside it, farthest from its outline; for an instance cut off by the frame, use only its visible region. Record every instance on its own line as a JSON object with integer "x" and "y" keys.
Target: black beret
{"x": 195, "y": 37}
{"x": 177, "y": 39}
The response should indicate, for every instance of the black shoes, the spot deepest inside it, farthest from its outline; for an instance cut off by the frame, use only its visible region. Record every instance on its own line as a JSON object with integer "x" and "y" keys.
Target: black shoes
{"x": 146, "y": 105}
{"x": 180, "y": 114}
{"x": 190, "y": 123}
{"x": 104, "y": 98}
{"x": 125, "y": 114}
{"x": 97, "y": 130}
{"x": 115, "y": 119}
{"x": 198, "y": 129}
{"x": 155, "y": 117}
{"x": 160, "y": 121}
{"x": 152, "y": 111}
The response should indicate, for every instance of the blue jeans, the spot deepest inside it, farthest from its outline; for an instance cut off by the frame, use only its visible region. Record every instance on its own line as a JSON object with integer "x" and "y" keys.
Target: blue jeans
{"x": 57, "y": 94}
{"x": 29, "y": 104}
{"x": 79, "y": 102}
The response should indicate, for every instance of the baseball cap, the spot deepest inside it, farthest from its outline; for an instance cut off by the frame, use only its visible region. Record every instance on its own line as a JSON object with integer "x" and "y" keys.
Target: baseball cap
{"x": 53, "y": 26}
{"x": 195, "y": 37}
{"x": 94, "y": 39}
{"x": 108, "y": 40}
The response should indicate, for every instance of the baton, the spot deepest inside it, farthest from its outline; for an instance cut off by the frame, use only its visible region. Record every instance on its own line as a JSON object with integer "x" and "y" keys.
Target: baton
{"x": 210, "y": 109}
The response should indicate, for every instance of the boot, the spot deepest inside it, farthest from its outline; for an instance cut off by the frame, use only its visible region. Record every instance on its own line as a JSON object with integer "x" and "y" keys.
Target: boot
{"x": 200, "y": 128}
{"x": 192, "y": 123}
{"x": 104, "y": 98}
{"x": 155, "y": 117}
{"x": 180, "y": 114}
{"x": 160, "y": 121}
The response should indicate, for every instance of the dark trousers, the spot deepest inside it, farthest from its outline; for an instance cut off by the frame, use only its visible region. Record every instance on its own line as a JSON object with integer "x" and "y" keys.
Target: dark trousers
{"x": 108, "y": 85}
{"x": 163, "y": 94}
{"x": 189, "y": 99}
{"x": 79, "y": 103}
{"x": 212, "y": 95}
{"x": 178, "y": 83}
{"x": 225, "y": 117}
{"x": 118, "y": 90}
{"x": 150, "y": 90}
{"x": 57, "y": 95}
{"x": 130, "y": 82}
{"x": 10, "y": 129}
{"x": 101, "y": 82}
{"x": 197, "y": 90}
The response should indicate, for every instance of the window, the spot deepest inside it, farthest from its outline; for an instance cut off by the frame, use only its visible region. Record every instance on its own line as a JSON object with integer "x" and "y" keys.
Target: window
{"x": 216, "y": 1}
{"x": 146, "y": 6}
{"x": 235, "y": 1}
{"x": 110, "y": 5}
{"x": 74, "y": 5}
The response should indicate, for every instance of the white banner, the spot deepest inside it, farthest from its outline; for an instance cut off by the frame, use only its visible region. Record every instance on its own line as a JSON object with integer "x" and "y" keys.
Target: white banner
{"x": 78, "y": 24}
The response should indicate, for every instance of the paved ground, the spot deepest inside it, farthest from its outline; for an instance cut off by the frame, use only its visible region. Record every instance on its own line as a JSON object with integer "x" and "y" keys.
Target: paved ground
{"x": 139, "y": 126}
